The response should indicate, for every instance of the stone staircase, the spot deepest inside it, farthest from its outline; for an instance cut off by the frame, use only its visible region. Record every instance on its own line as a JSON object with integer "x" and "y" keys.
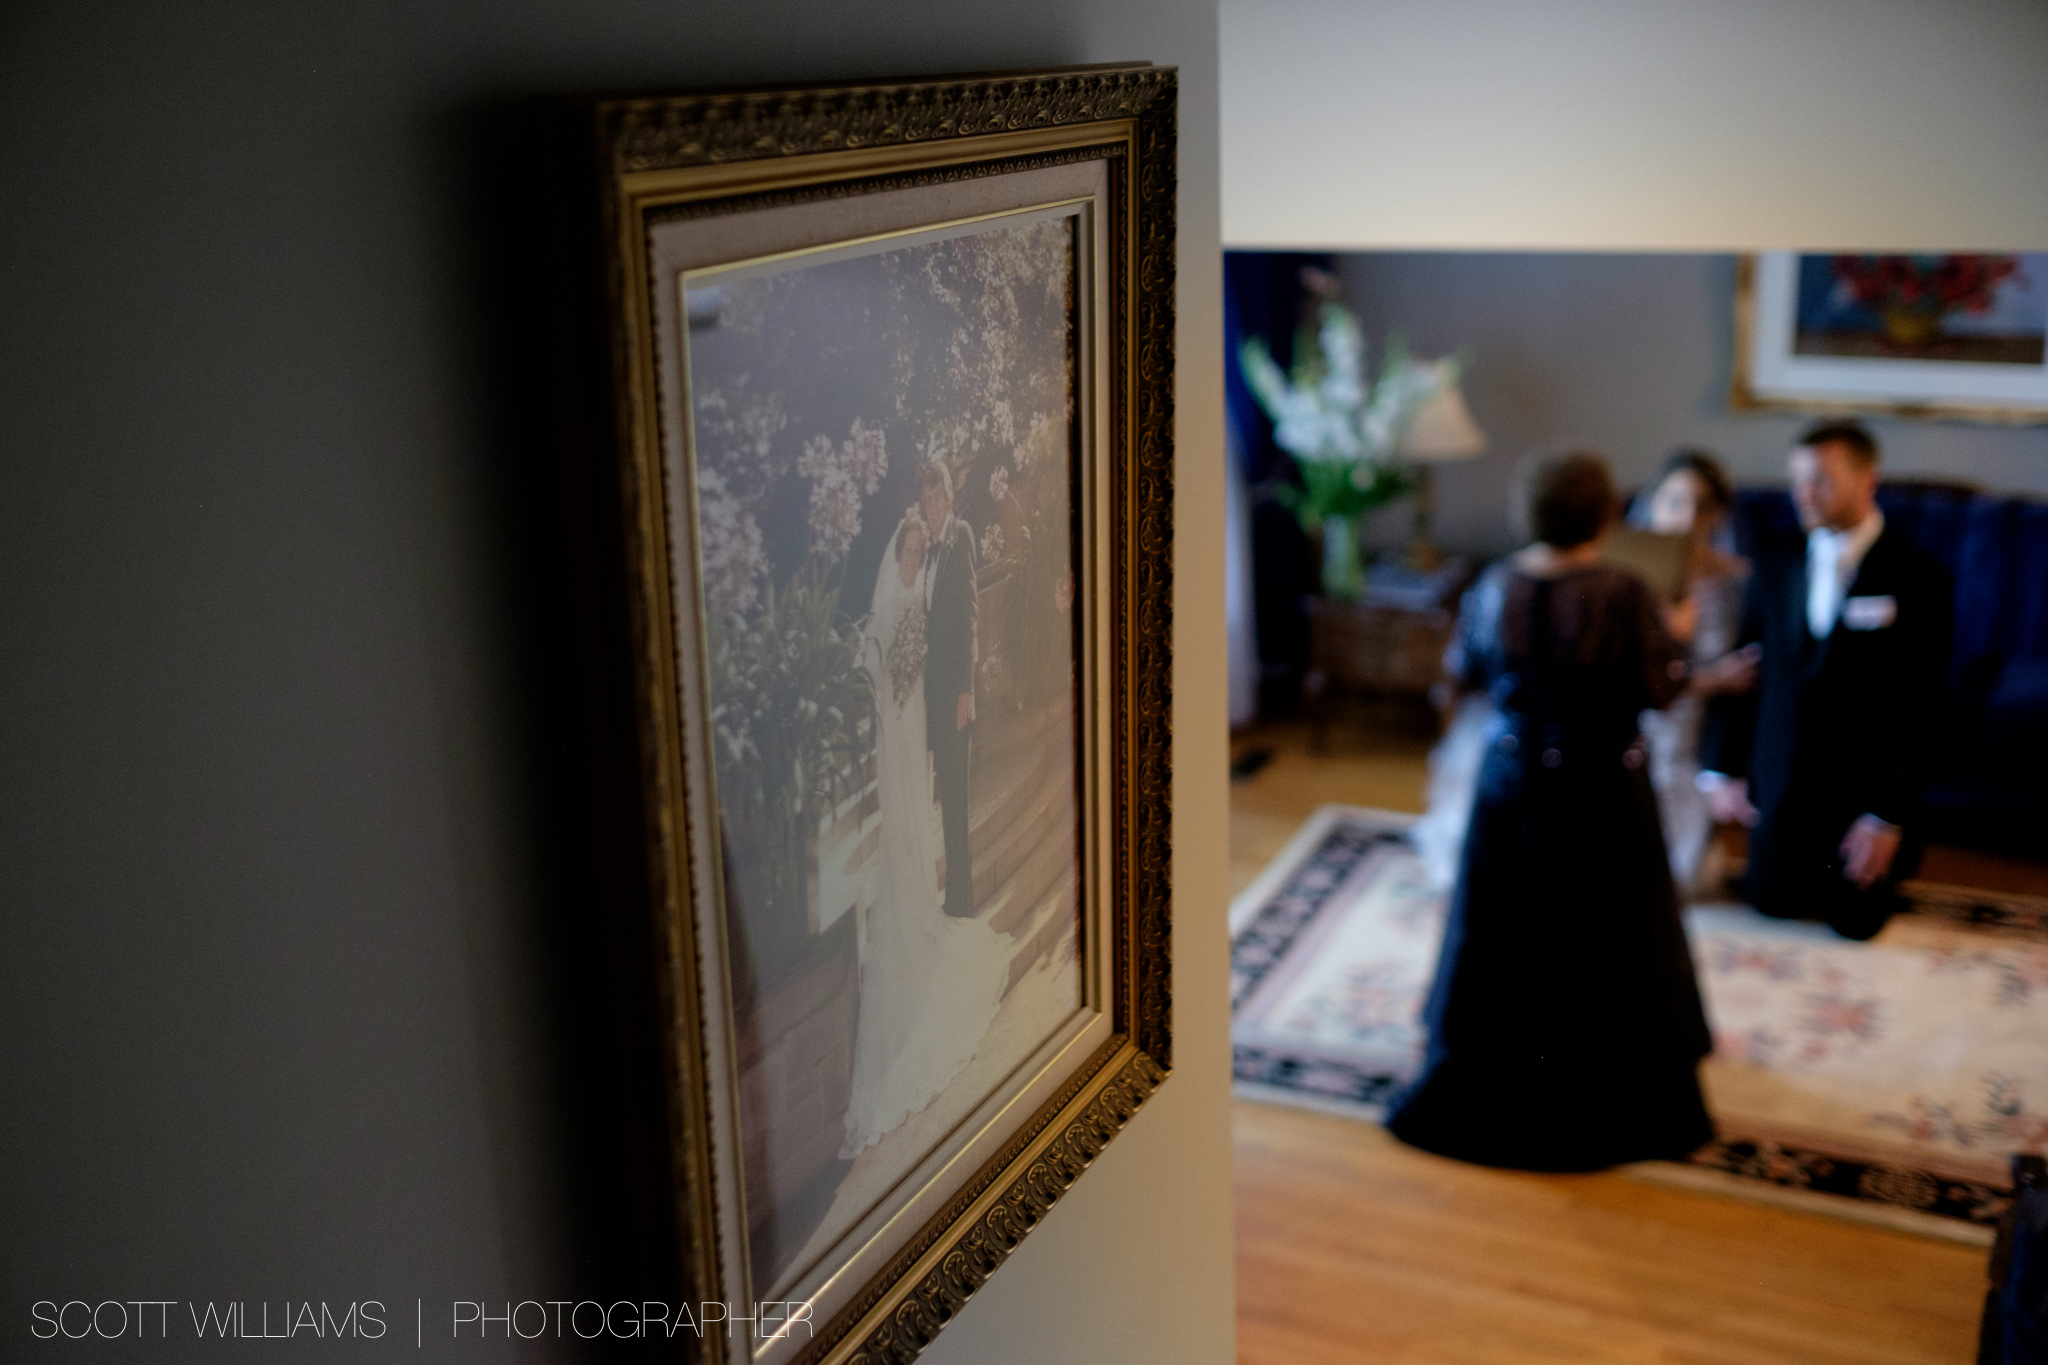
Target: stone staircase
{"x": 1024, "y": 827}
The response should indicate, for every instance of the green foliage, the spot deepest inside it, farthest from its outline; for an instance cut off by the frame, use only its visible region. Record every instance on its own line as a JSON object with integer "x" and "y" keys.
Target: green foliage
{"x": 794, "y": 707}
{"x": 1346, "y": 489}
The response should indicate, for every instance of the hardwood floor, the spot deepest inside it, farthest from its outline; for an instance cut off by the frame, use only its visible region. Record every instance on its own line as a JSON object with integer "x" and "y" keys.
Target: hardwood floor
{"x": 1967, "y": 867}
{"x": 1381, "y": 763}
{"x": 1353, "y": 1248}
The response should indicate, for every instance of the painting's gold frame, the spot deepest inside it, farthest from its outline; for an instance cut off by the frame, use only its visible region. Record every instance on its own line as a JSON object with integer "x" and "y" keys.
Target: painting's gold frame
{"x": 1743, "y": 398}
{"x": 727, "y": 153}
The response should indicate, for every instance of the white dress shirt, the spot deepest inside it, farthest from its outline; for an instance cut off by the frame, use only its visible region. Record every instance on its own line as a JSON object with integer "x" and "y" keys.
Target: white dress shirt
{"x": 1832, "y": 558}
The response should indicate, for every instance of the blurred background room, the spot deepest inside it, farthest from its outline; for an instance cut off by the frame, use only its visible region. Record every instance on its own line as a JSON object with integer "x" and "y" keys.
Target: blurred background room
{"x": 1388, "y": 411}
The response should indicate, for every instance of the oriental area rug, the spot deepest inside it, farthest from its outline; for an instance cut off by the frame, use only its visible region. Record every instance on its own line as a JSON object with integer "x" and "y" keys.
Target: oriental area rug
{"x": 1890, "y": 1081}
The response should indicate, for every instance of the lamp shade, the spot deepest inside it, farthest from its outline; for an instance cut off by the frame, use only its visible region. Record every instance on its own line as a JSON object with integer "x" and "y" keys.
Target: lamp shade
{"x": 1443, "y": 428}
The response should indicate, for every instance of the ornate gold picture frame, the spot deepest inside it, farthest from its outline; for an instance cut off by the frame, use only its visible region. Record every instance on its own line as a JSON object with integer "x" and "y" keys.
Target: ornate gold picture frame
{"x": 874, "y": 471}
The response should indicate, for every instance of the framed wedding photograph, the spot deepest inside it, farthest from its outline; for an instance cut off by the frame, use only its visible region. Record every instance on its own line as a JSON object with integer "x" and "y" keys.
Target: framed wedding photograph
{"x": 888, "y": 443}
{"x": 1958, "y": 335}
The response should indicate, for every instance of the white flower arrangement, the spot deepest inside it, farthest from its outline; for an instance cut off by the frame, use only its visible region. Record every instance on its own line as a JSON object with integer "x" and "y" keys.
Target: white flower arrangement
{"x": 1343, "y": 429}
{"x": 1326, "y": 412}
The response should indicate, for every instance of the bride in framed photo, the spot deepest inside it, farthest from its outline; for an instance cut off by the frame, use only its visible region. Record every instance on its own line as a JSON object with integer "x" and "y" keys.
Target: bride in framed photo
{"x": 930, "y": 983}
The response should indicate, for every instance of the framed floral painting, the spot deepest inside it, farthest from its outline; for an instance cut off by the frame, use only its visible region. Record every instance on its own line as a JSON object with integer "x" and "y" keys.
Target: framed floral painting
{"x": 1961, "y": 335}
{"x": 884, "y": 460}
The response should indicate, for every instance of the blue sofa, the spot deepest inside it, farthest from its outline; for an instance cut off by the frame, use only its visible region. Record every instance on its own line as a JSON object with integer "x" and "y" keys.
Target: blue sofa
{"x": 1991, "y": 787}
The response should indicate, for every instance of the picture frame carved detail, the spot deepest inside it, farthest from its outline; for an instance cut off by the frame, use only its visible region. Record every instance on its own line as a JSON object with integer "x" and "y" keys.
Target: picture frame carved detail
{"x": 871, "y": 460}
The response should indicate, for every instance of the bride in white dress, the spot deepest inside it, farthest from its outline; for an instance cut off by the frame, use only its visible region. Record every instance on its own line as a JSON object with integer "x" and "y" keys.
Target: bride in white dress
{"x": 929, "y": 984}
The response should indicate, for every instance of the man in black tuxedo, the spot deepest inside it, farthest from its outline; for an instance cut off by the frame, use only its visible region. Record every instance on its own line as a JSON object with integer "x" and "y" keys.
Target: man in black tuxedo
{"x": 950, "y": 655}
{"x": 1848, "y": 640}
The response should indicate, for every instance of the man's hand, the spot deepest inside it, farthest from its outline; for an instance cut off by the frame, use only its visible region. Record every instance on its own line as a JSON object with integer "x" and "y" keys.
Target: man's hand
{"x": 963, "y": 712}
{"x": 1727, "y": 799}
{"x": 1733, "y": 672}
{"x": 1868, "y": 849}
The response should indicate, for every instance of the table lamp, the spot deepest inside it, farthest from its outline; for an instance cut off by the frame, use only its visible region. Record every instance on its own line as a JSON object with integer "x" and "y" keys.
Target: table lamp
{"x": 1442, "y": 430}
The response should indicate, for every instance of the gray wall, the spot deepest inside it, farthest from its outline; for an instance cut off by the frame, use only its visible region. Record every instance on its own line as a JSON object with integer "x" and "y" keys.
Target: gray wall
{"x": 1626, "y": 353}
{"x": 283, "y": 857}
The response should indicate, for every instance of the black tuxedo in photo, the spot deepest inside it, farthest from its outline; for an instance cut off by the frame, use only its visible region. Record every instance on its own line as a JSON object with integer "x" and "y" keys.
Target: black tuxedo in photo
{"x": 948, "y": 671}
{"x": 1837, "y": 727}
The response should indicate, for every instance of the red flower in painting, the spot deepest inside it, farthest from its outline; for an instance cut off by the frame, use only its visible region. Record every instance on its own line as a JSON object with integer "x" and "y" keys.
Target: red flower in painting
{"x": 1958, "y": 283}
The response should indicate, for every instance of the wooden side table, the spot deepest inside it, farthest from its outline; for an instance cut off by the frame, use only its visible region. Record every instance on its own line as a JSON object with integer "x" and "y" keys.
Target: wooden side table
{"x": 1390, "y": 642}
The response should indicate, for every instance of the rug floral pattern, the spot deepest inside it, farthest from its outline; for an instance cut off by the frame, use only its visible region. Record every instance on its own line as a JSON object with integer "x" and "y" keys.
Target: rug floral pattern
{"x": 1927, "y": 1045}
{"x": 1905, "y": 1070}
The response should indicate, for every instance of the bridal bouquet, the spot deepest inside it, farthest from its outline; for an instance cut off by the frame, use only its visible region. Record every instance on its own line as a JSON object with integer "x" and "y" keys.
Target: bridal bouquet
{"x": 1342, "y": 428}
{"x": 906, "y": 656}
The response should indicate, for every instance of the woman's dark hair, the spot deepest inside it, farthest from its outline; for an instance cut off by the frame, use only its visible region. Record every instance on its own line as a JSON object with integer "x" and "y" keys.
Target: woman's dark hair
{"x": 1703, "y": 465}
{"x": 1573, "y": 499}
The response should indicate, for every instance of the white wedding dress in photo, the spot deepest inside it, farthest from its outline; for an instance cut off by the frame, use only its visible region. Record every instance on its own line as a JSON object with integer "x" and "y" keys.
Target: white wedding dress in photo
{"x": 930, "y": 984}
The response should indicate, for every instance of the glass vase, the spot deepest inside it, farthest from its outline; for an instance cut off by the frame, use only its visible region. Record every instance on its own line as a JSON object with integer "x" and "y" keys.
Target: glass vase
{"x": 1343, "y": 563}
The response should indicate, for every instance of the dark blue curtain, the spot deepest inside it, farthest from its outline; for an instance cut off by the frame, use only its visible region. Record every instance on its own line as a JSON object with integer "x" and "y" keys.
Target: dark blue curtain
{"x": 1262, "y": 297}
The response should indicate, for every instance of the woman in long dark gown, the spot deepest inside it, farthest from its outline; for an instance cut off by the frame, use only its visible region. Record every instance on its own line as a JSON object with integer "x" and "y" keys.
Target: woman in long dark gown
{"x": 1565, "y": 1027}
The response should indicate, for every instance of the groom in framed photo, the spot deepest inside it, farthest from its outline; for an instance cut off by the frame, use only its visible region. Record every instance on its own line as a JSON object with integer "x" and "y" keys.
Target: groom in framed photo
{"x": 1826, "y": 757}
{"x": 949, "y": 664}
